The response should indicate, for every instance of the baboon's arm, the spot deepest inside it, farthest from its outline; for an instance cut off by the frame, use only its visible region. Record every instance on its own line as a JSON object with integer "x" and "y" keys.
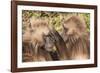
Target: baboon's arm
{"x": 62, "y": 50}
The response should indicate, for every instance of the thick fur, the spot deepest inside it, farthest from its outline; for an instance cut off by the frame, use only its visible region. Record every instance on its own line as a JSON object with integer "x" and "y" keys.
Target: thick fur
{"x": 76, "y": 37}
{"x": 33, "y": 41}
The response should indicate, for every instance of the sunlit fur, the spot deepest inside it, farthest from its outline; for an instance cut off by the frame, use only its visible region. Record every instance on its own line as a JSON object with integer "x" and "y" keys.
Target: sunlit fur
{"x": 76, "y": 37}
{"x": 35, "y": 41}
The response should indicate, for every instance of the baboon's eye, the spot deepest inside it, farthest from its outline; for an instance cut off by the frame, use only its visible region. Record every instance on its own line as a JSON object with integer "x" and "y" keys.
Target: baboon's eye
{"x": 45, "y": 36}
{"x": 66, "y": 29}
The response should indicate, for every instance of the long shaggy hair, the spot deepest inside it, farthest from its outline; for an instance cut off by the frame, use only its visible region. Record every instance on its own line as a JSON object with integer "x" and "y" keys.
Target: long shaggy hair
{"x": 76, "y": 37}
{"x": 33, "y": 41}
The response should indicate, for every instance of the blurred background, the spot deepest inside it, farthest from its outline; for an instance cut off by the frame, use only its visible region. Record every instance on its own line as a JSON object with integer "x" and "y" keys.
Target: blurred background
{"x": 53, "y": 18}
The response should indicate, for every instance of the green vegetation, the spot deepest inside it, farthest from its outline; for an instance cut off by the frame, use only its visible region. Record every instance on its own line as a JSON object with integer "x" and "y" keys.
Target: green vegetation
{"x": 53, "y": 18}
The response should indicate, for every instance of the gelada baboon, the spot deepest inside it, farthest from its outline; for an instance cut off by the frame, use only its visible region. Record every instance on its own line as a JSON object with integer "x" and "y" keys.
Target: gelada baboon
{"x": 76, "y": 37}
{"x": 33, "y": 42}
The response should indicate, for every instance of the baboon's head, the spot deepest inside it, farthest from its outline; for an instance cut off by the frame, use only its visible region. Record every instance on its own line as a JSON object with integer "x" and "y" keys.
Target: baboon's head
{"x": 76, "y": 38}
{"x": 74, "y": 27}
{"x": 39, "y": 26}
{"x": 41, "y": 33}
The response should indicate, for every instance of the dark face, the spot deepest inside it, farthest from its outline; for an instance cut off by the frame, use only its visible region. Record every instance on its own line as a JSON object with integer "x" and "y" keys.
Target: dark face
{"x": 49, "y": 43}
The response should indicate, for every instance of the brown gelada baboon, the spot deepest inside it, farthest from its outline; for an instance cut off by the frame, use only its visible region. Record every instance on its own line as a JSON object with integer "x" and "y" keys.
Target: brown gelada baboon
{"x": 38, "y": 44}
{"x": 33, "y": 42}
{"x": 76, "y": 37}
